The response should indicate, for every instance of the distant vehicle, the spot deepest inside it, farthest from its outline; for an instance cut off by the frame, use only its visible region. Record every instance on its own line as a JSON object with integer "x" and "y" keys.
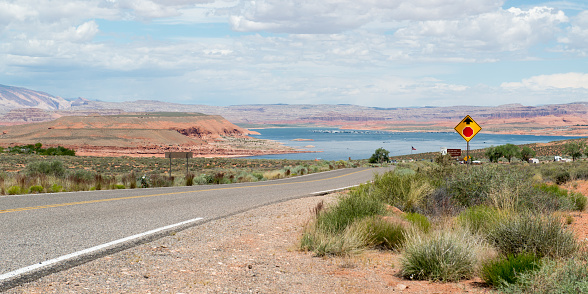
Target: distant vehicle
{"x": 533, "y": 160}
{"x": 561, "y": 159}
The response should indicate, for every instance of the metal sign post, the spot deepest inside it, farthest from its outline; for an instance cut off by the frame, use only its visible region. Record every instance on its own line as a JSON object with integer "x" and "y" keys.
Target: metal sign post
{"x": 185, "y": 155}
{"x": 467, "y": 128}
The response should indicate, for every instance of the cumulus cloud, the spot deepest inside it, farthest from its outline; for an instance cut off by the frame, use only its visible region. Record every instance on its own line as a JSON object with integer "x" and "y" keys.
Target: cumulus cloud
{"x": 310, "y": 16}
{"x": 572, "y": 80}
{"x": 502, "y": 30}
{"x": 576, "y": 38}
{"x": 82, "y": 33}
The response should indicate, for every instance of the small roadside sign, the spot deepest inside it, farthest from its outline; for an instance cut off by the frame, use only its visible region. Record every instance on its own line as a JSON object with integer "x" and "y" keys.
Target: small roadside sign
{"x": 454, "y": 152}
{"x": 467, "y": 128}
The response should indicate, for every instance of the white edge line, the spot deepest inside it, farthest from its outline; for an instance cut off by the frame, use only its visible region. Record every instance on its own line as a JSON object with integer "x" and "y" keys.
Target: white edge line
{"x": 332, "y": 190}
{"x": 46, "y": 263}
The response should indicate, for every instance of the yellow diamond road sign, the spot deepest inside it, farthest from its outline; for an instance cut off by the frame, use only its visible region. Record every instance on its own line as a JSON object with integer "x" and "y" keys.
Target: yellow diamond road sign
{"x": 467, "y": 128}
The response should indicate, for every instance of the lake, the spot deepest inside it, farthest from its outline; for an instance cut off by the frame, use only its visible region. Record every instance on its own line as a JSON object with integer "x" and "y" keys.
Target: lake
{"x": 336, "y": 144}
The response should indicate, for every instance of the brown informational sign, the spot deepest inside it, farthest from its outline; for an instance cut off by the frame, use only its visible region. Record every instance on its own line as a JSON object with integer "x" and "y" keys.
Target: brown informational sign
{"x": 178, "y": 155}
{"x": 454, "y": 152}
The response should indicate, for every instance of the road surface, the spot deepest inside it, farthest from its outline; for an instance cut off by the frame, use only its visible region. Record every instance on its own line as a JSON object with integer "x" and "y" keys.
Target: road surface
{"x": 44, "y": 233}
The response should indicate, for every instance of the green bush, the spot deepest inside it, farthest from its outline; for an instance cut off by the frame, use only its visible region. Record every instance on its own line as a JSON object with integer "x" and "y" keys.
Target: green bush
{"x": 579, "y": 172}
{"x": 55, "y": 188}
{"x": 36, "y": 189}
{"x": 562, "y": 177}
{"x": 119, "y": 186}
{"x": 475, "y": 185}
{"x": 542, "y": 236}
{"x": 54, "y": 167}
{"x": 419, "y": 220}
{"x": 14, "y": 190}
{"x": 507, "y": 270}
{"x": 479, "y": 218}
{"x": 579, "y": 201}
{"x": 559, "y": 198}
{"x": 553, "y": 276}
{"x": 445, "y": 256}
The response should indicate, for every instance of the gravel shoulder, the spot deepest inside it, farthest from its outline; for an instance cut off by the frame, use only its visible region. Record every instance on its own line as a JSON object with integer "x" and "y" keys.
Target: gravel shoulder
{"x": 251, "y": 252}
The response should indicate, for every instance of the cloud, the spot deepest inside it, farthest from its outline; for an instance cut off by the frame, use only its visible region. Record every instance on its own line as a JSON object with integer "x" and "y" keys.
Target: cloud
{"x": 82, "y": 33}
{"x": 572, "y": 80}
{"x": 318, "y": 17}
{"x": 500, "y": 31}
{"x": 575, "y": 40}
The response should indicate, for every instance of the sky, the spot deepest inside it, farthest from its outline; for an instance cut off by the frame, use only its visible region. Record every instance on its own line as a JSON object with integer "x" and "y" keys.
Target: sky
{"x": 381, "y": 53}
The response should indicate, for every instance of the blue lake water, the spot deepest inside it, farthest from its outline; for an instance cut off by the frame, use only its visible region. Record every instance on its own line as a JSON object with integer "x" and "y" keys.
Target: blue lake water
{"x": 336, "y": 144}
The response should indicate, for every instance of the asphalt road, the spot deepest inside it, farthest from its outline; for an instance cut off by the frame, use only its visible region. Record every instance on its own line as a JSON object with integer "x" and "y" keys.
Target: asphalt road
{"x": 35, "y": 230}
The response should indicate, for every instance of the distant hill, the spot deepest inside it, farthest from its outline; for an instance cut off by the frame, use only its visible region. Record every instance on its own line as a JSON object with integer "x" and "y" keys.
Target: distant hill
{"x": 139, "y": 134}
{"x": 15, "y": 97}
{"x": 555, "y": 119}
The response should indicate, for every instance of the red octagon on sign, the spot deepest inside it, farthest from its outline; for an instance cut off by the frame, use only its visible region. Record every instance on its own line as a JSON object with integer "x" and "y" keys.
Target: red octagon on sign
{"x": 468, "y": 132}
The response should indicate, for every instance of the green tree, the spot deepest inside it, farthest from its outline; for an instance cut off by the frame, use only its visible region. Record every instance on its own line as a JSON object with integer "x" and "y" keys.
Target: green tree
{"x": 509, "y": 151}
{"x": 493, "y": 154}
{"x": 526, "y": 153}
{"x": 575, "y": 149}
{"x": 379, "y": 156}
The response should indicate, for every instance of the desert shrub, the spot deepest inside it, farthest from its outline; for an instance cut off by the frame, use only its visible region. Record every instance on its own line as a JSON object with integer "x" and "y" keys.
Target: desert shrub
{"x": 562, "y": 177}
{"x": 419, "y": 220}
{"x": 98, "y": 180}
{"x": 129, "y": 180}
{"x": 258, "y": 176}
{"x": 474, "y": 186}
{"x": 368, "y": 232}
{"x": 323, "y": 242}
{"x": 54, "y": 167}
{"x": 273, "y": 175}
{"x": 246, "y": 177}
{"x": 531, "y": 233}
{"x": 348, "y": 226}
{"x": 189, "y": 179}
{"x": 81, "y": 176}
{"x": 502, "y": 271}
{"x": 579, "y": 201}
{"x": 579, "y": 172}
{"x": 55, "y": 188}
{"x": 559, "y": 198}
{"x": 299, "y": 170}
{"x": 442, "y": 256}
{"x": 380, "y": 232}
{"x": 14, "y": 190}
{"x": 157, "y": 180}
{"x": 404, "y": 189}
{"x": 36, "y": 189}
{"x": 348, "y": 209}
{"x": 203, "y": 179}
{"x": 479, "y": 218}
{"x": 553, "y": 276}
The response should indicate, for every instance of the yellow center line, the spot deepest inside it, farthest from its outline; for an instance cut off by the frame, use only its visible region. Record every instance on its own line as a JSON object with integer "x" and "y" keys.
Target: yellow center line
{"x": 162, "y": 194}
